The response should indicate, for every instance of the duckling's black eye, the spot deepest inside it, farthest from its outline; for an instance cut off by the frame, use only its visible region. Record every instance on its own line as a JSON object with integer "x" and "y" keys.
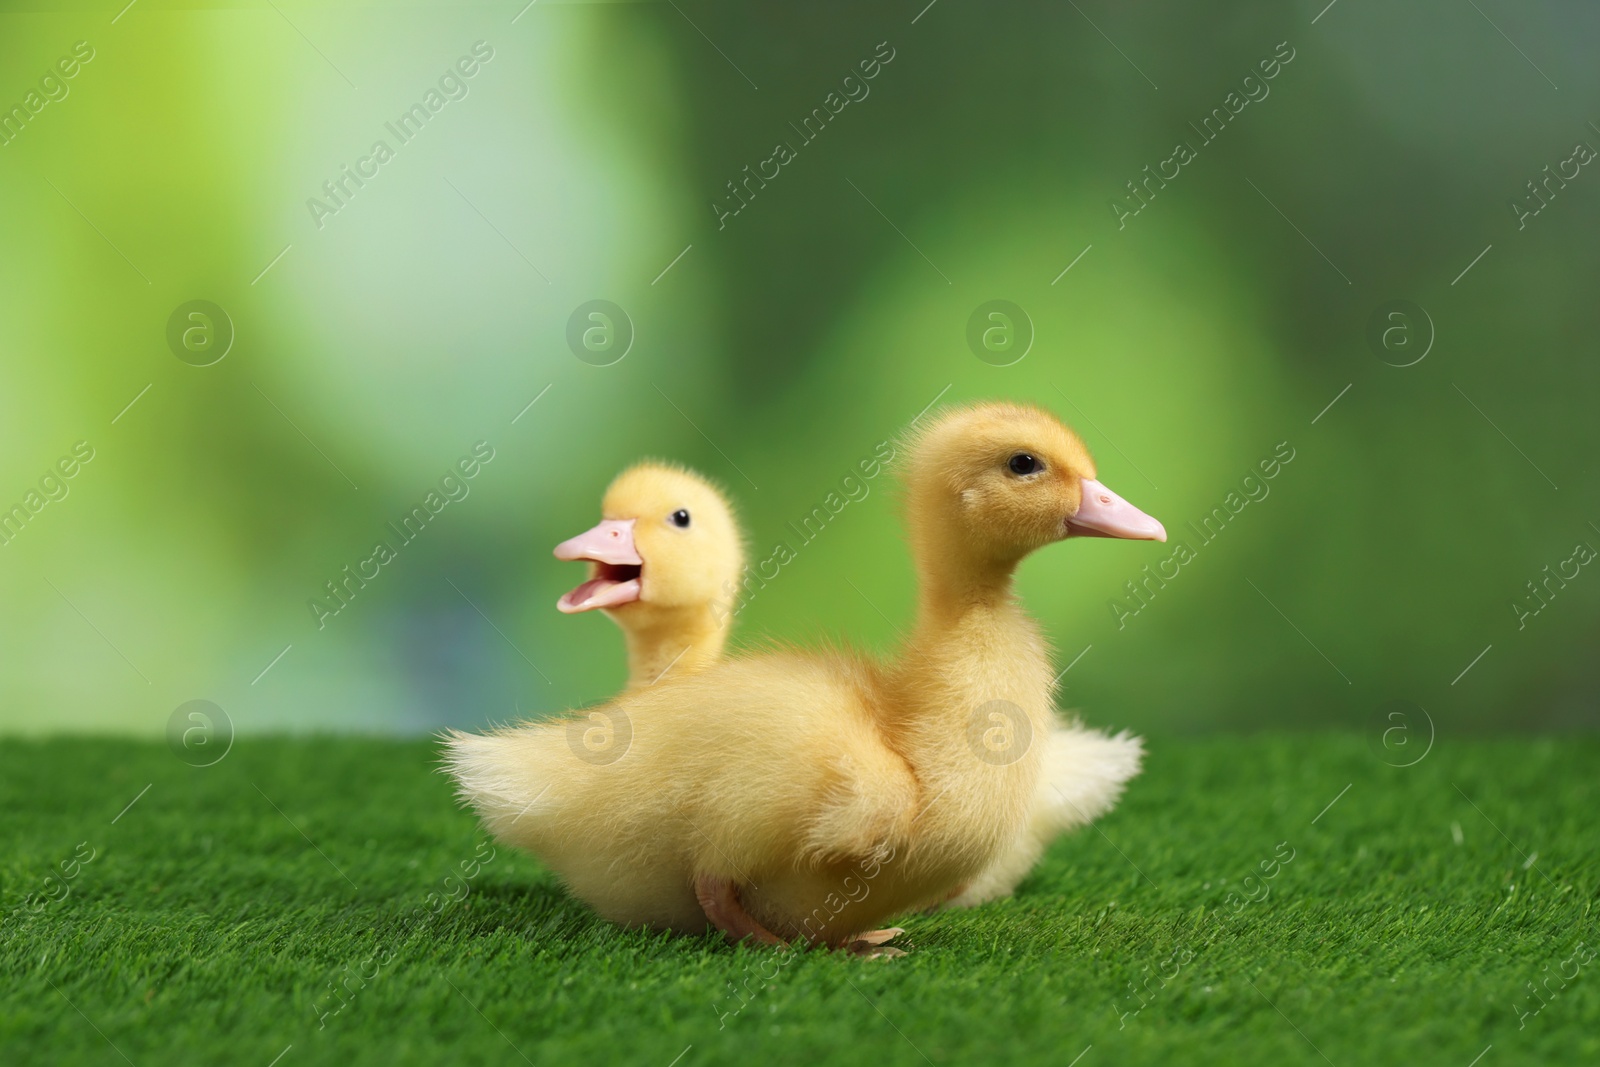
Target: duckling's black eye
{"x": 680, "y": 518}
{"x": 1024, "y": 463}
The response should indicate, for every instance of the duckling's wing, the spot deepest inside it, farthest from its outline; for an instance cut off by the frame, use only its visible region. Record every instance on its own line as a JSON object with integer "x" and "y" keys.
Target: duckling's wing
{"x": 866, "y": 807}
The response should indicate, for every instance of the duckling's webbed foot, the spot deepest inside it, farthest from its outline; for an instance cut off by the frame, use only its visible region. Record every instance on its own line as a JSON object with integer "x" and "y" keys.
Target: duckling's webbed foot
{"x": 870, "y": 943}
{"x": 719, "y": 899}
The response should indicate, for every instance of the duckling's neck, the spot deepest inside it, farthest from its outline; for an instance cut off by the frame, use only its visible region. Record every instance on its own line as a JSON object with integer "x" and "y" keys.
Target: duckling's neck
{"x": 973, "y": 644}
{"x": 944, "y": 601}
{"x": 676, "y": 640}
{"x": 971, "y": 708}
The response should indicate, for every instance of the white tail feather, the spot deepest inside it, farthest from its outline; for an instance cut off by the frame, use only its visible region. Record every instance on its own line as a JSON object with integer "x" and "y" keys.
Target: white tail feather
{"x": 1084, "y": 774}
{"x": 499, "y": 775}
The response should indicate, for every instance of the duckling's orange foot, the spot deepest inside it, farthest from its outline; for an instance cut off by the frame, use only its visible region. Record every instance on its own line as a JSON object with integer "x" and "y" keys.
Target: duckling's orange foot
{"x": 870, "y": 944}
{"x": 719, "y": 899}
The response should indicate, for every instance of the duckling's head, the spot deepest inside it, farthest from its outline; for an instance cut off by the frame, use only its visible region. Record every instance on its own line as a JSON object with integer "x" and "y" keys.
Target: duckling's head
{"x": 668, "y": 543}
{"x": 989, "y": 483}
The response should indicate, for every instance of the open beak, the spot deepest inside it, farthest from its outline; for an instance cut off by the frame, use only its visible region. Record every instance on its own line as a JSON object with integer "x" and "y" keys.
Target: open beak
{"x": 616, "y": 571}
{"x": 1105, "y": 514}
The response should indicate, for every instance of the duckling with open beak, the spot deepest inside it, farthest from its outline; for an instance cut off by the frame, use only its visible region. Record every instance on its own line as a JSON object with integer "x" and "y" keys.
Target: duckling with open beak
{"x": 664, "y": 565}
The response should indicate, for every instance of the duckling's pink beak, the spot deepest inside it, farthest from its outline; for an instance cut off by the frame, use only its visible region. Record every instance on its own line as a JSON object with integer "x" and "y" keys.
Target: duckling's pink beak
{"x": 618, "y": 567}
{"x": 1103, "y": 513}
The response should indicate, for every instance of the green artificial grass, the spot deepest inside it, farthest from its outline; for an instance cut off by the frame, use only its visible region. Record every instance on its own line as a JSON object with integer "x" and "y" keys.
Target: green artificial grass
{"x": 220, "y": 912}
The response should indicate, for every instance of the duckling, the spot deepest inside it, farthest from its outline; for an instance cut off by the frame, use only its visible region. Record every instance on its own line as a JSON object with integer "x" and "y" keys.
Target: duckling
{"x": 809, "y": 796}
{"x": 1084, "y": 770}
{"x": 661, "y": 564}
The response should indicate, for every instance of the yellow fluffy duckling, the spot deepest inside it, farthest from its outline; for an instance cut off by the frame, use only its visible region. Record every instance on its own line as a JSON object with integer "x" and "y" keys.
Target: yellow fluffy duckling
{"x": 812, "y": 795}
{"x": 660, "y": 562}
{"x": 678, "y": 525}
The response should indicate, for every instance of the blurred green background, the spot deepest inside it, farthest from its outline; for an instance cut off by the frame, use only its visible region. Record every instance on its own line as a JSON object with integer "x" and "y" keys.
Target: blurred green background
{"x": 774, "y": 348}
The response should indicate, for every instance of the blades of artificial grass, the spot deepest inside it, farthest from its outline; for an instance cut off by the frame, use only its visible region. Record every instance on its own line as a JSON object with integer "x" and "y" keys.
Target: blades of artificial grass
{"x": 281, "y": 900}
